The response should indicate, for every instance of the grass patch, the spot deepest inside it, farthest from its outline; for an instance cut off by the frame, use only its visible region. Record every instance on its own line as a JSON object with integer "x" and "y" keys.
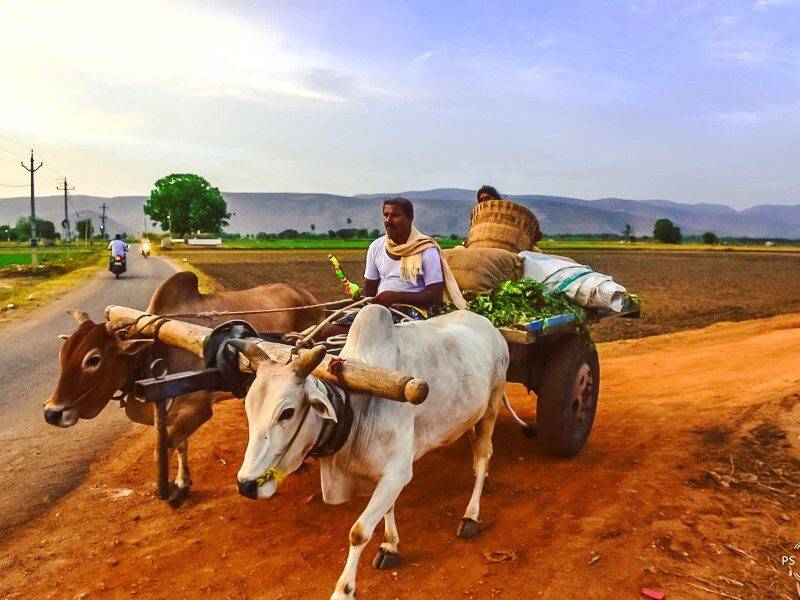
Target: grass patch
{"x": 26, "y": 288}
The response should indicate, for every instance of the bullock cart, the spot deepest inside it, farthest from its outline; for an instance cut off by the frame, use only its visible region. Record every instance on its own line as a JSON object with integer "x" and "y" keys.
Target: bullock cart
{"x": 553, "y": 357}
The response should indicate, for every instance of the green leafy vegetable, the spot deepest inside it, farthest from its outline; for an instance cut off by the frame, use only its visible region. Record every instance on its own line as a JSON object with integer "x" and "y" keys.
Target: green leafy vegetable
{"x": 520, "y": 302}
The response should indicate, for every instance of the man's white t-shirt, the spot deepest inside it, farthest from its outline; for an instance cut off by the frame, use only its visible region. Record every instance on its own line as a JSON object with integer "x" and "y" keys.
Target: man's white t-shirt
{"x": 118, "y": 247}
{"x": 381, "y": 266}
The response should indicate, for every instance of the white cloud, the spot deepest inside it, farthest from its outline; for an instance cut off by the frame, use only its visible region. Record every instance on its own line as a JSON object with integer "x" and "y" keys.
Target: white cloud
{"x": 69, "y": 62}
{"x": 755, "y": 116}
{"x": 420, "y": 59}
{"x": 762, "y": 4}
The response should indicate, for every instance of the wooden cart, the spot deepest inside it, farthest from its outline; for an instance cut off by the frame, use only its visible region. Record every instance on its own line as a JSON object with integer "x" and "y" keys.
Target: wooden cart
{"x": 556, "y": 359}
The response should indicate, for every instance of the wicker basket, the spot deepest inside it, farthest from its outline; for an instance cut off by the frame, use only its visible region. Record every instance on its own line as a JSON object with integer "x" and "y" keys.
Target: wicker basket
{"x": 503, "y": 224}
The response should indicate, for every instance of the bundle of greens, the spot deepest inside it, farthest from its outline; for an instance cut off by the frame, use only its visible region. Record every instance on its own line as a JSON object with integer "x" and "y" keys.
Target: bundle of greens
{"x": 520, "y": 302}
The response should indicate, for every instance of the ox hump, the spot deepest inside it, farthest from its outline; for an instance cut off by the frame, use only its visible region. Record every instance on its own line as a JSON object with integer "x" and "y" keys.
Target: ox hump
{"x": 373, "y": 322}
{"x": 179, "y": 291}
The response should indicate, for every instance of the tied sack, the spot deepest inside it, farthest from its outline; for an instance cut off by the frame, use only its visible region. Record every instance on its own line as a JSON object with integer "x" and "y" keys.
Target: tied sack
{"x": 483, "y": 269}
{"x": 579, "y": 282}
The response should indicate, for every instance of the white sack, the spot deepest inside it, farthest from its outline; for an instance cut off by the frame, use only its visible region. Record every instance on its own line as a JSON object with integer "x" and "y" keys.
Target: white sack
{"x": 589, "y": 288}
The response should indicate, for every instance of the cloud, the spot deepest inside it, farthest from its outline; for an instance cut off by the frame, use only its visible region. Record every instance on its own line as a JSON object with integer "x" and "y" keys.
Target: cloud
{"x": 420, "y": 59}
{"x": 740, "y": 117}
{"x": 755, "y": 116}
{"x": 73, "y": 86}
{"x": 762, "y": 4}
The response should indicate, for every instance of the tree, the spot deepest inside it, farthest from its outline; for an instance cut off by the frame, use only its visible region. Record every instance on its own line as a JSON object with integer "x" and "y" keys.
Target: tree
{"x": 710, "y": 238}
{"x": 189, "y": 202}
{"x": 375, "y": 234}
{"x": 261, "y": 235}
{"x": 84, "y": 228}
{"x": 8, "y": 233}
{"x": 313, "y": 227}
{"x": 349, "y": 220}
{"x": 45, "y": 230}
{"x": 627, "y": 231}
{"x": 667, "y": 232}
{"x": 288, "y": 234}
{"x": 331, "y": 234}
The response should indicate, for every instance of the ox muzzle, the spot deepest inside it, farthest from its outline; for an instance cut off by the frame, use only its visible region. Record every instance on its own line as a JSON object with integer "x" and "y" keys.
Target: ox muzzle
{"x": 248, "y": 489}
{"x": 60, "y": 417}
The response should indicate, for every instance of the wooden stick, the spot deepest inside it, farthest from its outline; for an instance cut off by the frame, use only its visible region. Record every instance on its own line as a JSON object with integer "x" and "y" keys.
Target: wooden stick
{"x": 162, "y": 451}
{"x": 356, "y": 376}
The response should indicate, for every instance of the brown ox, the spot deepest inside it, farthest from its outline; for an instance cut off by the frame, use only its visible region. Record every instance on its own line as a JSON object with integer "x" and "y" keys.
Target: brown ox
{"x": 96, "y": 362}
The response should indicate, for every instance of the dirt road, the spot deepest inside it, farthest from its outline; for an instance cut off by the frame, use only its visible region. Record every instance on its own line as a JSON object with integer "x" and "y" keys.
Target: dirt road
{"x": 689, "y": 483}
{"x": 41, "y": 463}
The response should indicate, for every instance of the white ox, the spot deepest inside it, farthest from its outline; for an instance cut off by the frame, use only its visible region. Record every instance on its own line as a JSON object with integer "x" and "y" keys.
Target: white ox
{"x": 461, "y": 356}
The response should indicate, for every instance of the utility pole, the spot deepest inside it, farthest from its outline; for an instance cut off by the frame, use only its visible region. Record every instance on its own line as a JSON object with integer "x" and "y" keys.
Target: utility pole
{"x": 103, "y": 222}
{"x": 31, "y": 170}
{"x": 65, "y": 222}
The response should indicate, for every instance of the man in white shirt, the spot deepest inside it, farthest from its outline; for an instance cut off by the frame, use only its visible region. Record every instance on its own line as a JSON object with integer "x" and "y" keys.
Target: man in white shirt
{"x": 385, "y": 280}
{"x": 117, "y": 246}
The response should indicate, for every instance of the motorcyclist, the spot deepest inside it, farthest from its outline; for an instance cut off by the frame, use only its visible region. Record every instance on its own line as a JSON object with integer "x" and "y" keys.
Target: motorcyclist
{"x": 118, "y": 248}
{"x": 145, "y": 247}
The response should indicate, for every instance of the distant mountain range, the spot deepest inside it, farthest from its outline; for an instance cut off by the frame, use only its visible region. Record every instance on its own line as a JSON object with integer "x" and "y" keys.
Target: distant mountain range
{"x": 441, "y": 211}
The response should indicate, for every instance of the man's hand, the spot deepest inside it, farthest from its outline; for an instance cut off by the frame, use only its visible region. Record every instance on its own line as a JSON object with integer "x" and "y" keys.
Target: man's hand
{"x": 385, "y": 298}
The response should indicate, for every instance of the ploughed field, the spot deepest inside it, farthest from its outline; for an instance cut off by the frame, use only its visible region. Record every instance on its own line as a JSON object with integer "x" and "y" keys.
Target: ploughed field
{"x": 680, "y": 290}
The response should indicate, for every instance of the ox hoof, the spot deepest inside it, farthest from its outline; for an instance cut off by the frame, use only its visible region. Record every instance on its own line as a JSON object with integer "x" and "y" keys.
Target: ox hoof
{"x": 468, "y": 529}
{"x": 177, "y": 495}
{"x": 385, "y": 559}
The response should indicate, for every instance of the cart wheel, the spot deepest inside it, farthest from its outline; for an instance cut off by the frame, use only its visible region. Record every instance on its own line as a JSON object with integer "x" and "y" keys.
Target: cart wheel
{"x": 567, "y": 398}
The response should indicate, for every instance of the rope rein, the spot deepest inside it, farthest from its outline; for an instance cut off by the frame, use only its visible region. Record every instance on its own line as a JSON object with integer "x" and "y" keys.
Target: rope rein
{"x": 210, "y": 314}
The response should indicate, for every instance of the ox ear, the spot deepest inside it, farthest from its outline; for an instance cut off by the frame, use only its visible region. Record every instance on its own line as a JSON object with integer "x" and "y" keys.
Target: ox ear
{"x": 321, "y": 404}
{"x": 79, "y": 315}
{"x": 133, "y": 347}
{"x": 63, "y": 337}
{"x": 304, "y": 365}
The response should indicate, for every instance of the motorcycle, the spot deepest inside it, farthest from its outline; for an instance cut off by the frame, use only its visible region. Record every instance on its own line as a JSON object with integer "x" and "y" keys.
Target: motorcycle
{"x": 145, "y": 250}
{"x": 117, "y": 265}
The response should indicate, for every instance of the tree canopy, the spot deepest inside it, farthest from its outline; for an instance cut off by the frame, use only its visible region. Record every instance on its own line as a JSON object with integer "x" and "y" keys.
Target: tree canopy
{"x": 45, "y": 230}
{"x": 710, "y": 238}
{"x": 667, "y": 232}
{"x": 84, "y": 228}
{"x": 190, "y": 201}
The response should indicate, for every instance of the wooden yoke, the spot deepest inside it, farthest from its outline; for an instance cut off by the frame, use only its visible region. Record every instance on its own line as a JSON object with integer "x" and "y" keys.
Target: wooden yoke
{"x": 354, "y": 375}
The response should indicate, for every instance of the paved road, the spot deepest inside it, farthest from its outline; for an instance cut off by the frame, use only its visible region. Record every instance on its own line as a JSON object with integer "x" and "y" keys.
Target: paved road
{"x": 42, "y": 463}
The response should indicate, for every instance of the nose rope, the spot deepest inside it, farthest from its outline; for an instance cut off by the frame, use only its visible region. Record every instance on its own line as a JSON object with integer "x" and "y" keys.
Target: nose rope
{"x": 82, "y": 396}
{"x": 330, "y": 439}
{"x": 274, "y": 471}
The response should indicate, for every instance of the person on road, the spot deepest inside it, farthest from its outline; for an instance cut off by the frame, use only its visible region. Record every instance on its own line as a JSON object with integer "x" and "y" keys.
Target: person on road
{"x": 407, "y": 267}
{"x": 487, "y": 193}
{"x": 118, "y": 247}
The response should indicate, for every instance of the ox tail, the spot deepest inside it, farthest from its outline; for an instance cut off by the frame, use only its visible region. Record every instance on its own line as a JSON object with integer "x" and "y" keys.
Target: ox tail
{"x": 527, "y": 429}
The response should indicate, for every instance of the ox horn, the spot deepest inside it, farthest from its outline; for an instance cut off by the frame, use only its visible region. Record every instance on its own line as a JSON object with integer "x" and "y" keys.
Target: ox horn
{"x": 304, "y": 365}
{"x": 79, "y": 315}
{"x": 251, "y": 351}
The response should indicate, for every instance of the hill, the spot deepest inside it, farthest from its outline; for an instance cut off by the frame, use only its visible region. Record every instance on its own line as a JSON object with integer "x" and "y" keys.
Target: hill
{"x": 444, "y": 210}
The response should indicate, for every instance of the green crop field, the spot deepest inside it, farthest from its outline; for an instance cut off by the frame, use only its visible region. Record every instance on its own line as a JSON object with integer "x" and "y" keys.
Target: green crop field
{"x": 305, "y": 244}
{"x": 13, "y": 256}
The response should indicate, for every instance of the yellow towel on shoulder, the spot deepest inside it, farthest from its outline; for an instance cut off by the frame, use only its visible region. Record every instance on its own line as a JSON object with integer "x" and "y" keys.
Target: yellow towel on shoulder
{"x": 410, "y": 254}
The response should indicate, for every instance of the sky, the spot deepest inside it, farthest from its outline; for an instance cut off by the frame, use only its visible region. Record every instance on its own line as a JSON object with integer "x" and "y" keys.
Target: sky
{"x": 688, "y": 101}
